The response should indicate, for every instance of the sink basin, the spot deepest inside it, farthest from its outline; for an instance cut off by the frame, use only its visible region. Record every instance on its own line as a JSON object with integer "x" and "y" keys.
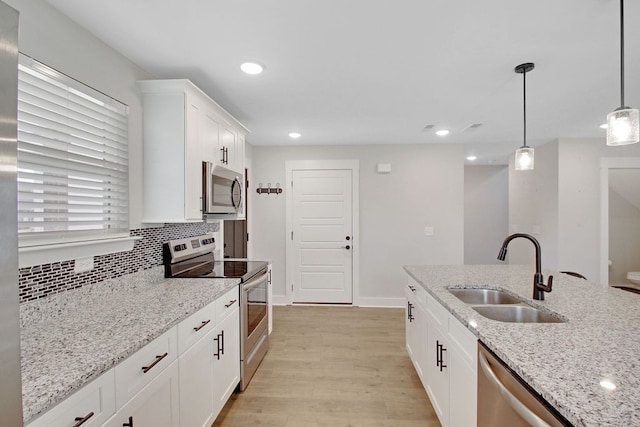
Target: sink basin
{"x": 516, "y": 314}
{"x": 484, "y": 296}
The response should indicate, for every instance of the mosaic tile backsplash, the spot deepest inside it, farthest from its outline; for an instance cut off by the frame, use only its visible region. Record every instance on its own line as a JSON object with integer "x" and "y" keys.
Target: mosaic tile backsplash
{"x": 42, "y": 280}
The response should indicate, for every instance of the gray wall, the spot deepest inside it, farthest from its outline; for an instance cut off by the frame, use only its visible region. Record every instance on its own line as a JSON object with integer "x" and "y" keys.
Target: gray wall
{"x": 424, "y": 188}
{"x": 486, "y": 212}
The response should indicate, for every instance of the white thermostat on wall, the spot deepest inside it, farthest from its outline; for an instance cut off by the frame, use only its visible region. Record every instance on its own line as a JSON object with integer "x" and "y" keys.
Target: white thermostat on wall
{"x": 384, "y": 167}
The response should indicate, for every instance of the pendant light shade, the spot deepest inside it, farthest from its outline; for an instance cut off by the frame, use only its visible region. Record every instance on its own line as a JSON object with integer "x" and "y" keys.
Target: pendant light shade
{"x": 524, "y": 155}
{"x": 524, "y": 158}
{"x": 623, "y": 124}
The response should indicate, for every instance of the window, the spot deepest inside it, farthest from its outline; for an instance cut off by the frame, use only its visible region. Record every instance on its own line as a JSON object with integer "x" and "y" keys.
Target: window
{"x": 72, "y": 159}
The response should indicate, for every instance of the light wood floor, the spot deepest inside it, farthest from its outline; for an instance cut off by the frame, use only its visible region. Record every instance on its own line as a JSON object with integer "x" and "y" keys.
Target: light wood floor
{"x": 333, "y": 366}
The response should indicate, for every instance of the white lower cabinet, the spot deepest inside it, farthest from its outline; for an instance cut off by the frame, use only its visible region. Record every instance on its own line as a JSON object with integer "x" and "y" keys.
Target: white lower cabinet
{"x": 182, "y": 378}
{"x": 210, "y": 368}
{"x": 156, "y": 405}
{"x": 416, "y": 331}
{"x": 197, "y": 383}
{"x": 90, "y": 406}
{"x": 226, "y": 360}
{"x": 448, "y": 366}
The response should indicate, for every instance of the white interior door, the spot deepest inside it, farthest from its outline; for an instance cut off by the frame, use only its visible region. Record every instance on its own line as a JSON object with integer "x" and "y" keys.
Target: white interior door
{"x": 322, "y": 236}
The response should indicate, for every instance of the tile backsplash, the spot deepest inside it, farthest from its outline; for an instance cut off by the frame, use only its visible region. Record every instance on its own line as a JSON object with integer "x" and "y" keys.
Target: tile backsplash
{"x": 40, "y": 281}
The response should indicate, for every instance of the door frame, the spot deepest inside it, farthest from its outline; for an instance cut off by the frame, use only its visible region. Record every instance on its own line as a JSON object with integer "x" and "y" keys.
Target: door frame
{"x": 354, "y": 166}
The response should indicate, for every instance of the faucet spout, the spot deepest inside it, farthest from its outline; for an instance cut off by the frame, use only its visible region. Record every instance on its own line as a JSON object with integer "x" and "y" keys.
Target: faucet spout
{"x": 539, "y": 287}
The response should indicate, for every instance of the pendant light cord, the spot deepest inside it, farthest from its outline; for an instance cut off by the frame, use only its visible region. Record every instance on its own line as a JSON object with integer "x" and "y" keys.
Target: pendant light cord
{"x": 524, "y": 97}
{"x": 622, "y": 53}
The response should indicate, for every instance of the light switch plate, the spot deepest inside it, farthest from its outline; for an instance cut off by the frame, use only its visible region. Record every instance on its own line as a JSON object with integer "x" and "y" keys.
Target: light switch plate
{"x": 83, "y": 264}
{"x": 428, "y": 231}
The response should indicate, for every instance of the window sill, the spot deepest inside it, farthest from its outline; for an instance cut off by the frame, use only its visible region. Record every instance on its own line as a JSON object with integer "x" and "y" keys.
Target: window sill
{"x": 45, "y": 254}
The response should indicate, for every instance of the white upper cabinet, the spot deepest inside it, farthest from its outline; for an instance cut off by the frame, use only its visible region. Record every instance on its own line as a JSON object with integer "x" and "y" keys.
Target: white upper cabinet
{"x": 182, "y": 128}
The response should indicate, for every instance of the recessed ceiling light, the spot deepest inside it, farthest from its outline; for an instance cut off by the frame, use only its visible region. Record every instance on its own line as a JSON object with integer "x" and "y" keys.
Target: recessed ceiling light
{"x": 252, "y": 68}
{"x": 603, "y": 126}
{"x": 607, "y": 384}
{"x": 472, "y": 158}
{"x": 443, "y": 132}
{"x": 295, "y": 135}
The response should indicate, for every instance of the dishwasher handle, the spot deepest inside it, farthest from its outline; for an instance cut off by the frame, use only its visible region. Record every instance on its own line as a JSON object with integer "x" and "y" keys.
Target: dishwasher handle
{"x": 522, "y": 409}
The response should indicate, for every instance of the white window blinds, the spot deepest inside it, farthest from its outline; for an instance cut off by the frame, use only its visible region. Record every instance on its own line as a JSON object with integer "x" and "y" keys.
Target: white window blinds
{"x": 72, "y": 159}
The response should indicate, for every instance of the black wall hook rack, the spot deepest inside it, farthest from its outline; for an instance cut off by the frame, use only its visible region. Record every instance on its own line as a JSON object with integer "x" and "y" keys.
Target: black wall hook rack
{"x": 268, "y": 189}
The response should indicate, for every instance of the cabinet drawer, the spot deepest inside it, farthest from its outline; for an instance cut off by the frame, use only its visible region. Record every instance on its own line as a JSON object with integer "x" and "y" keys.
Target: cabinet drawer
{"x": 418, "y": 291}
{"x": 226, "y": 303}
{"x": 466, "y": 342}
{"x": 140, "y": 368}
{"x": 95, "y": 403}
{"x": 196, "y": 326}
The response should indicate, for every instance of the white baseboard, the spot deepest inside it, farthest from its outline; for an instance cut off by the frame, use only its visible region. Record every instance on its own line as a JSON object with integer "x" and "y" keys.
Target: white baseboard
{"x": 363, "y": 302}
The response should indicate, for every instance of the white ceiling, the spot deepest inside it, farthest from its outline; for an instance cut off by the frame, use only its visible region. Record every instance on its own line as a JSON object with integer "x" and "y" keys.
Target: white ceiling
{"x": 378, "y": 71}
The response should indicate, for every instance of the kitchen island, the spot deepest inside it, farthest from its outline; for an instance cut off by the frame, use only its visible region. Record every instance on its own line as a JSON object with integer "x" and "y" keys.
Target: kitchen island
{"x": 69, "y": 339}
{"x": 563, "y": 362}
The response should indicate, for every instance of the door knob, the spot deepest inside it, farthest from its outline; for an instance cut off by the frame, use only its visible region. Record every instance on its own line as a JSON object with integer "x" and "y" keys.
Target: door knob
{"x": 348, "y": 237}
{"x": 347, "y": 247}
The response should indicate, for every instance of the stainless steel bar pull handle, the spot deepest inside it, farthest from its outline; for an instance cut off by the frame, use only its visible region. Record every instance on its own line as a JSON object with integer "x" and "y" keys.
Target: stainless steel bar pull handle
{"x": 202, "y": 325}
{"x": 81, "y": 420}
{"x": 219, "y": 339}
{"x": 129, "y": 424}
{"x": 230, "y": 303}
{"x": 146, "y": 369}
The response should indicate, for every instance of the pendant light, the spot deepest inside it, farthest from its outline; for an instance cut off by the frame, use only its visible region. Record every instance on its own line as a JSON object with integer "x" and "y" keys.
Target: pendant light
{"x": 623, "y": 124}
{"x": 524, "y": 154}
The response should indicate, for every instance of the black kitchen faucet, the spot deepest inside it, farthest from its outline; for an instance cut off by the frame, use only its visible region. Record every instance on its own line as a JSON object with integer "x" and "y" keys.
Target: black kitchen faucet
{"x": 539, "y": 288}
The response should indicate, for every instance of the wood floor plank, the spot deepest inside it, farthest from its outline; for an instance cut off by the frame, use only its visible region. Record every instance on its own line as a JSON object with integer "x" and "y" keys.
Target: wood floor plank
{"x": 333, "y": 366}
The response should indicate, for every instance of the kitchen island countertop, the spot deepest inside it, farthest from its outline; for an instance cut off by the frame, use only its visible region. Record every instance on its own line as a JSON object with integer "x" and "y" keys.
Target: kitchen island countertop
{"x": 71, "y": 338}
{"x": 564, "y": 362}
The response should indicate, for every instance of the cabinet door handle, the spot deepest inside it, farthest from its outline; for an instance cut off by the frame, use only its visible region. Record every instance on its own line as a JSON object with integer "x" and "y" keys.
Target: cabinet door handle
{"x": 439, "y": 356}
{"x": 410, "y": 311}
{"x": 202, "y": 325}
{"x": 81, "y": 420}
{"x": 226, "y": 155}
{"x": 230, "y": 303}
{"x": 146, "y": 369}
{"x": 217, "y": 340}
{"x": 222, "y": 345}
{"x": 129, "y": 424}
{"x": 222, "y": 155}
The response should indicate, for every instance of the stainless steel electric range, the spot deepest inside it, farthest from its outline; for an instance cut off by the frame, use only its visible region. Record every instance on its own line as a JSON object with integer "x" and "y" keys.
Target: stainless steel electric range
{"x": 193, "y": 258}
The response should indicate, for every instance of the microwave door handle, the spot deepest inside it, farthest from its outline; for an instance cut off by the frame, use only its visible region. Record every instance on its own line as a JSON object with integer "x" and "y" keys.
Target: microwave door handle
{"x": 236, "y": 203}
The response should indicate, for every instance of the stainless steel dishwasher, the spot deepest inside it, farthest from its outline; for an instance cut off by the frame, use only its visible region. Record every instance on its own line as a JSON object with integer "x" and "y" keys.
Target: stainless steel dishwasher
{"x": 504, "y": 399}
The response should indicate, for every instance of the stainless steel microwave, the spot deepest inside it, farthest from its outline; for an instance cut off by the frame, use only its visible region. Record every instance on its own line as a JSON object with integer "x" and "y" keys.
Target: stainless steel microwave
{"x": 221, "y": 190}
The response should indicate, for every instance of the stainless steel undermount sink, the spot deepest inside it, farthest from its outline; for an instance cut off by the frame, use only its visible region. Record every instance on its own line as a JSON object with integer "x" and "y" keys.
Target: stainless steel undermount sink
{"x": 496, "y": 304}
{"x": 516, "y": 313}
{"x": 484, "y": 296}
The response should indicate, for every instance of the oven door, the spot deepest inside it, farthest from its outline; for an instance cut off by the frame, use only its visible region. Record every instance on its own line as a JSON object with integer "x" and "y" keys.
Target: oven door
{"x": 254, "y": 304}
{"x": 254, "y": 325}
{"x": 222, "y": 191}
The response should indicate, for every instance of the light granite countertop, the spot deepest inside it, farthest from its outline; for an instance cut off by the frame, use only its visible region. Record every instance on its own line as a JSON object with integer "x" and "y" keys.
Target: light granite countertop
{"x": 564, "y": 362}
{"x": 70, "y": 338}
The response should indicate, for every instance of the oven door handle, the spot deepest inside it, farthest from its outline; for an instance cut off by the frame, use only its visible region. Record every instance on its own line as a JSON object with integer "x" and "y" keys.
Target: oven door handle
{"x": 255, "y": 282}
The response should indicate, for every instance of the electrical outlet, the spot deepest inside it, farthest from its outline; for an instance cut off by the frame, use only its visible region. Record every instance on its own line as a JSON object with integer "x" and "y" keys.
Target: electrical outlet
{"x": 83, "y": 264}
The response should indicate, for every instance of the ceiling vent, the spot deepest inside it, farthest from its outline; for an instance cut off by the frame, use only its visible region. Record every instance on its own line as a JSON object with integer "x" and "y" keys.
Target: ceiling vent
{"x": 428, "y": 128}
{"x": 472, "y": 127}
